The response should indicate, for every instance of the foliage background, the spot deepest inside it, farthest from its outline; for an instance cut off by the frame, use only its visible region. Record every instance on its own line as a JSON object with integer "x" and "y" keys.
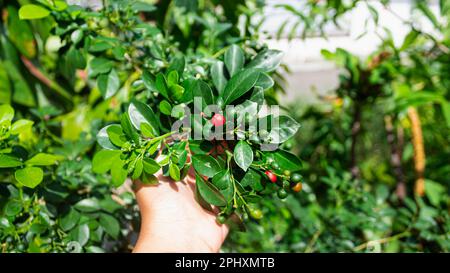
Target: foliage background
{"x": 375, "y": 155}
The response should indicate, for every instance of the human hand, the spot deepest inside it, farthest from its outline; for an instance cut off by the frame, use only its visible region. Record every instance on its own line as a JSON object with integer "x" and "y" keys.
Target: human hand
{"x": 173, "y": 221}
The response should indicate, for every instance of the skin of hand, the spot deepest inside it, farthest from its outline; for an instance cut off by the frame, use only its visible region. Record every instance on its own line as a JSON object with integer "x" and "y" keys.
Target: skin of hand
{"x": 173, "y": 221}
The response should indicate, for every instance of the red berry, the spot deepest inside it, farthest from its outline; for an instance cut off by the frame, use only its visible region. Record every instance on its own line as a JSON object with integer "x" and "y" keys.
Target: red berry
{"x": 272, "y": 177}
{"x": 218, "y": 120}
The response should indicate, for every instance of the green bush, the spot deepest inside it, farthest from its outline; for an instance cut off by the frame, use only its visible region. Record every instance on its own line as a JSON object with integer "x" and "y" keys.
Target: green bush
{"x": 88, "y": 98}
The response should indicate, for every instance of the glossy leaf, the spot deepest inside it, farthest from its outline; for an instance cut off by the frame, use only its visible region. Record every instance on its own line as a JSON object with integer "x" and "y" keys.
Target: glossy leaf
{"x": 31, "y": 11}
{"x": 206, "y": 165}
{"x": 174, "y": 172}
{"x": 218, "y": 76}
{"x": 110, "y": 225}
{"x": 43, "y": 159}
{"x": 102, "y": 161}
{"x": 239, "y": 85}
{"x": 266, "y": 61}
{"x": 209, "y": 192}
{"x": 20, "y": 126}
{"x": 286, "y": 128}
{"x": 70, "y": 220}
{"x": 140, "y": 112}
{"x": 234, "y": 59}
{"x": 103, "y": 139}
{"x": 7, "y": 161}
{"x": 29, "y": 176}
{"x": 108, "y": 84}
{"x": 243, "y": 155}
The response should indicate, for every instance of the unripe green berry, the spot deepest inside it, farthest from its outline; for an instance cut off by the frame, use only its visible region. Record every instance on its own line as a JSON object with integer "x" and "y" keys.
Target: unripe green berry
{"x": 296, "y": 177}
{"x": 282, "y": 194}
{"x": 221, "y": 219}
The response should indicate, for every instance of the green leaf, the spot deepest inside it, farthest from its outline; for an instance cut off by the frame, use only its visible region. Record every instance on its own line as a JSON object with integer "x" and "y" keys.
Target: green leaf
{"x": 222, "y": 180}
{"x": 445, "y": 106}
{"x": 218, "y": 76}
{"x": 264, "y": 81}
{"x": 202, "y": 90}
{"x": 286, "y": 160}
{"x": 257, "y": 95}
{"x": 138, "y": 169}
{"x": 176, "y": 92}
{"x": 21, "y": 35}
{"x": 88, "y": 205}
{"x": 128, "y": 128}
{"x": 151, "y": 166}
{"x": 102, "y": 161}
{"x": 253, "y": 179}
{"x": 5, "y": 87}
{"x": 118, "y": 172}
{"x": 239, "y": 84}
{"x": 30, "y": 11}
{"x": 110, "y": 225}
{"x": 149, "y": 81}
{"x": 21, "y": 126}
{"x": 234, "y": 59}
{"x": 140, "y": 112}
{"x": 100, "y": 66}
{"x": 409, "y": 39}
{"x": 116, "y": 135}
{"x": 165, "y": 107}
{"x": 172, "y": 78}
{"x": 108, "y": 84}
{"x": 174, "y": 172}
{"x": 80, "y": 234}
{"x": 76, "y": 36}
{"x": 161, "y": 85}
{"x": 146, "y": 130}
{"x": 163, "y": 160}
{"x": 177, "y": 64}
{"x": 209, "y": 192}
{"x": 435, "y": 192}
{"x": 267, "y": 60}
{"x": 70, "y": 220}
{"x": 7, "y": 161}
{"x": 141, "y": 6}
{"x": 286, "y": 128}
{"x": 149, "y": 179}
{"x": 30, "y": 176}
{"x": 22, "y": 93}
{"x": 6, "y": 113}
{"x": 43, "y": 159}
{"x": 206, "y": 165}
{"x": 13, "y": 207}
{"x": 243, "y": 155}
{"x": 103, "y": 139}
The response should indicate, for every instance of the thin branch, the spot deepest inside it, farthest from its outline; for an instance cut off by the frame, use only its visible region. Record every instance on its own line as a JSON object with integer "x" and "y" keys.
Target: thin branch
{"x": 419, "y": 151}
{"x": 44, "y": 79}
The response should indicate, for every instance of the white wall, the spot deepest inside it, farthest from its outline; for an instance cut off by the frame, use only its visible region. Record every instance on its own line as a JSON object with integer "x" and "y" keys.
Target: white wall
{"x": 308, "y": 67}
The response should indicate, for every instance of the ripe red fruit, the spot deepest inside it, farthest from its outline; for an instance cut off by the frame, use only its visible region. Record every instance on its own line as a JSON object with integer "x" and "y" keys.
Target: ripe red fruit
{"x": 218, "y": 120}
{"x": 272, "y": 177}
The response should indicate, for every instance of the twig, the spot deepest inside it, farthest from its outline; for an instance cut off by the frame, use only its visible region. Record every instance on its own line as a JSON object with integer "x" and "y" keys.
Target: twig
{"x": 382, "y": 240}
{"x": 44, "y": 79}
{"x": 313, "y": 240}
{"x": 419, "y": 151}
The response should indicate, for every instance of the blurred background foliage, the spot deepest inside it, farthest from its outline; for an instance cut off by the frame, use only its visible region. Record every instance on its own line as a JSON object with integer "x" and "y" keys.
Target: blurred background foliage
{"x": 375, "y": 154}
